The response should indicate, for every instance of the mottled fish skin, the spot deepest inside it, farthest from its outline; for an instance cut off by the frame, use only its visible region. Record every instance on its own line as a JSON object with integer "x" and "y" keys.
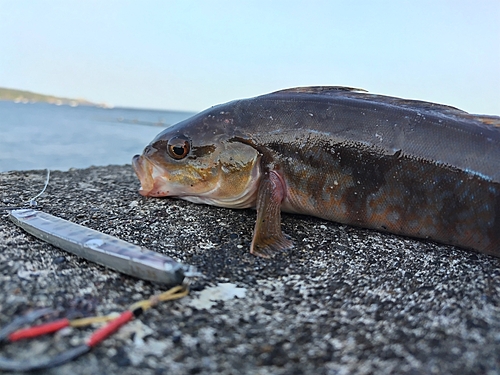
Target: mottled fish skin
{"x": 407, "y": 167}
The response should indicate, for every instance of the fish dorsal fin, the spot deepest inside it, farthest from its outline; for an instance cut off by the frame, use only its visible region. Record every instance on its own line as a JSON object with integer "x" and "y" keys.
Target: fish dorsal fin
{"x": 418, "y": 105}
{"x": 487, "y": 120}
{"x": 350, "y": 92}
{"x": 421, "y": 105}
{"x": 318, "y": 90}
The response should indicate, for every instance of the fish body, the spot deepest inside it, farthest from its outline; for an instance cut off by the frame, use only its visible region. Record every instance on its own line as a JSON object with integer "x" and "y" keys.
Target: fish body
{"x": 407, "y": 167}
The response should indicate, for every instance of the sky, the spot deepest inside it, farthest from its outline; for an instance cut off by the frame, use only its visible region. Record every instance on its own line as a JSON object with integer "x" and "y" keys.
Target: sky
{"x": 190, "y": 55}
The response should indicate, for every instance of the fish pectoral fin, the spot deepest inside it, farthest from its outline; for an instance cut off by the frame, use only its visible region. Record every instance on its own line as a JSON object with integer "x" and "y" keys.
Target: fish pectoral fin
{"x": 267, "y": 236}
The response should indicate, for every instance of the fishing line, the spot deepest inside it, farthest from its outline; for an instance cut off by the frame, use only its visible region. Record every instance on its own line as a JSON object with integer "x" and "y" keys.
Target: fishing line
{"x": 31, "y": 202}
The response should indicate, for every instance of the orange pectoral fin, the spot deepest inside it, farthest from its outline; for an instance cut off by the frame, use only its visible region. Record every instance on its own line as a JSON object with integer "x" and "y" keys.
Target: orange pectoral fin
{"x": 268, "y": 237}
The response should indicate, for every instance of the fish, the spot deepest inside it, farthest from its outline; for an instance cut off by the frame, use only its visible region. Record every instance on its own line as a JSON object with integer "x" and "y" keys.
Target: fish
{"x": 407, "y": 167}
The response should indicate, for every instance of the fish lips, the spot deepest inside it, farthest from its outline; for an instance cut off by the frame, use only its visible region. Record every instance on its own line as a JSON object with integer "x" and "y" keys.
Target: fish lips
{"x": 155, "y": 179}
{"x": 144, "y": 170}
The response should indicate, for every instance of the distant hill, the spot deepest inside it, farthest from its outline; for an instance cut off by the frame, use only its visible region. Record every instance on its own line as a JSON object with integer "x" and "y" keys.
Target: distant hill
{"x": 20, "y": 96}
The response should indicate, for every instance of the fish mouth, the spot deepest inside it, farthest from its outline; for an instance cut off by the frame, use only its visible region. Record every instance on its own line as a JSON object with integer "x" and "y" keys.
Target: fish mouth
{"x": 152, "y": 184}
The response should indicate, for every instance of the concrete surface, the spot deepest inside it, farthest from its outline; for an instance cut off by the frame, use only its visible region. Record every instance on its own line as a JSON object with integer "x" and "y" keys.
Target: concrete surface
{"x": 343, "y": 301}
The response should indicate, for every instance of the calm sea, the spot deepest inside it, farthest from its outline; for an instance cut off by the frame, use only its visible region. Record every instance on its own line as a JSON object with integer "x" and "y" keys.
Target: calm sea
{"x": 40, "y": 135}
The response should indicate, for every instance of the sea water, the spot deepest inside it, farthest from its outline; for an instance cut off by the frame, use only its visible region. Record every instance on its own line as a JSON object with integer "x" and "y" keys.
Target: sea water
{"x": 41, "y": 135}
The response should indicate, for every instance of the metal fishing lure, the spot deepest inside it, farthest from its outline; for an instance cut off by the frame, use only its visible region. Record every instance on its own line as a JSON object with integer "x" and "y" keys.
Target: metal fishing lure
{"x": 101, "y": 248}
{"x": 98, "y": 247}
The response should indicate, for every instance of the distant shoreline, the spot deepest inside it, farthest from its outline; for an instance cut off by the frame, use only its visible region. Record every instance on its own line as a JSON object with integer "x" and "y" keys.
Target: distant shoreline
{"x": 25, "y": 97}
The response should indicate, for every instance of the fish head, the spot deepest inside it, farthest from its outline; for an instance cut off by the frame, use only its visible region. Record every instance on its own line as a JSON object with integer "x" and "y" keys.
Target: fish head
{"x": 198, "y": 160}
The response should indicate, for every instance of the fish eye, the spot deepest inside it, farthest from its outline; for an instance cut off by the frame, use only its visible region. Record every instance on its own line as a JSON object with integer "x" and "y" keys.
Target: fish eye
{"x": 178, "y": 147}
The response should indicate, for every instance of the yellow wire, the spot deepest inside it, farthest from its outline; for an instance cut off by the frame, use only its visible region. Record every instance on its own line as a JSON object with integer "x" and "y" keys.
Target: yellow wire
{"x": 91, "y": 320}
{"x": 171, "y": 294}
{"x": 175, "y": 293}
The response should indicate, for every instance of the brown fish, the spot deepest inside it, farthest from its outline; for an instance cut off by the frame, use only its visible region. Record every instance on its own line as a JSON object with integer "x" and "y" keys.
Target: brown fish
{"x": 402, "y": 166}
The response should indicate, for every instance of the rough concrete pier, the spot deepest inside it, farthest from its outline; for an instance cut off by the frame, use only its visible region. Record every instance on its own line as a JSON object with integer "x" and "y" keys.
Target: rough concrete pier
{"x": 344, "y": 301}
